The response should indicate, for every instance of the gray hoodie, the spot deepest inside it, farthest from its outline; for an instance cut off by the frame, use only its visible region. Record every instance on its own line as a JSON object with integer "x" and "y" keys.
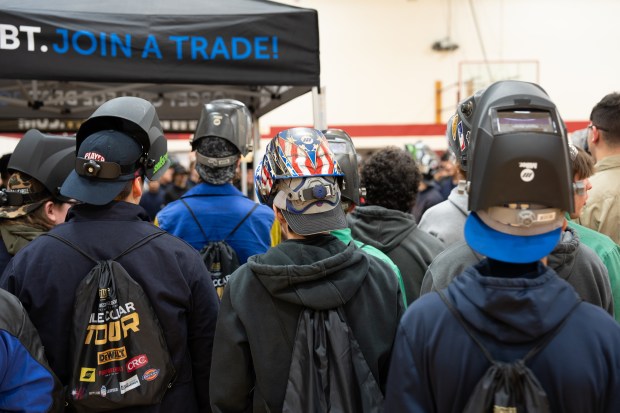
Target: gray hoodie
{"x": 446, "y": 220}
{"x": 573, "y": 261}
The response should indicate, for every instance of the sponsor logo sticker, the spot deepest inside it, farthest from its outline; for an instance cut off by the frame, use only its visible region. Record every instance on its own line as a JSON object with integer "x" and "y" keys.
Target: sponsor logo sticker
{"x": 150, "y": 374}
{"x": 78, "y": 393}
{"x": 87, "y": 374}
{"x": 137, "y": 362}
{"x": 110, "y": 355}
{"x": 129, "y": 384}
{"x": 111, "y": 371}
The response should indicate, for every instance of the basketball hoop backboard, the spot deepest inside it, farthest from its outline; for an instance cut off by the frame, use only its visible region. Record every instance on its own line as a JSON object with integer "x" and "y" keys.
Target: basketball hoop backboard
{"x": 476, "y": 75}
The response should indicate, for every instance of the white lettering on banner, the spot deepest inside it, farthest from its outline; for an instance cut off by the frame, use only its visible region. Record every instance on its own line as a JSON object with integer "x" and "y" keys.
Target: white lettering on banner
{"x": 9, "y": 37}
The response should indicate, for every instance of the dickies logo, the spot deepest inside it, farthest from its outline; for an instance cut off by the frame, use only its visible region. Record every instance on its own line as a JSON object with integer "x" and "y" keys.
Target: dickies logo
{"x": 88, "y": 375}
{"x": 150, "y": 374}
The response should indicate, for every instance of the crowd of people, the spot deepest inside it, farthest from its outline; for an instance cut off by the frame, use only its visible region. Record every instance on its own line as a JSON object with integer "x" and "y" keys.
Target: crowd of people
{"x": 394, "y": 283}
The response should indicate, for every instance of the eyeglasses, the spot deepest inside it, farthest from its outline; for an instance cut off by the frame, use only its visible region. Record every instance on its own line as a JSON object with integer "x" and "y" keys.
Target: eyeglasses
{"x": 591, "y": 125}
{"x": 579, "y": 187}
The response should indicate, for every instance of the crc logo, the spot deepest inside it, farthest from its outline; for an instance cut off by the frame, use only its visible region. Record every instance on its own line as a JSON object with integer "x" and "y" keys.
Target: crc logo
{"x": 137, "y": 362}
{"x": 87, "y": 374}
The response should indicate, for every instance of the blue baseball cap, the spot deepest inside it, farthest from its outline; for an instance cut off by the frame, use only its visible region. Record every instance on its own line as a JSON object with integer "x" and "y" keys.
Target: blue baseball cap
{"x": 106, "y": 161}
{"x": 518, "y": 245}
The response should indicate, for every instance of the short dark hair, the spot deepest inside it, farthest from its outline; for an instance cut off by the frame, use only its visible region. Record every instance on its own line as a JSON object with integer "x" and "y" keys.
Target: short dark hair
{"x": 125, "y": 191}
{"x": 605, "y": 116}
{"x": 583, "y": 164}
{"x": 391, "y": 178}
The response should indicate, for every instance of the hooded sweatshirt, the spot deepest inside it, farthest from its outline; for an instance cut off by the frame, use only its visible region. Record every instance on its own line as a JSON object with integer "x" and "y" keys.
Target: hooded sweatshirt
{"x": 436, "y": 365}
{"x": 261, "y": 305}
{"x": 397, "y": 235}
{"x": 571, "y": 260}
{"x": 446, "y": 220}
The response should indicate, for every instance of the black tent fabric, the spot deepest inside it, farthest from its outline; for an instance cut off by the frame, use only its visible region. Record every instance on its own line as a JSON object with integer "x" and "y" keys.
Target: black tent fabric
{"x": 61, "y": 59}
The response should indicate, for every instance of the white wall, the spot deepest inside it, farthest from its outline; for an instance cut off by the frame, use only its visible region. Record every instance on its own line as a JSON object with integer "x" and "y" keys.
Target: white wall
{"x": 379, "y": 69}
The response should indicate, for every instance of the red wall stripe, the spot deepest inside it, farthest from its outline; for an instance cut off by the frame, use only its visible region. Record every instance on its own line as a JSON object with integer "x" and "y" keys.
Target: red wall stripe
{"x": 361, "y": 131}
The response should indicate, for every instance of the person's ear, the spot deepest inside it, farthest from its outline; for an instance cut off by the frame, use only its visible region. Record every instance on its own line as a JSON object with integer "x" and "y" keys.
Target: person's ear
{"x": 137, "y": 187}
{"x": 48, "y": 207}
{"x": 596, "y": 135}
{"x": 279, "y": 215}
{"x": 284, "y": 228}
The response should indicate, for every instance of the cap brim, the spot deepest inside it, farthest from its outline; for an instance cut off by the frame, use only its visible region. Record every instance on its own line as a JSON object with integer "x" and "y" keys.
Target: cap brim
{"x": 91, "y": 191}
{"x": 309, "y": 224}
{"x": 508, "y": 248}
{"x": 10, "y": 212}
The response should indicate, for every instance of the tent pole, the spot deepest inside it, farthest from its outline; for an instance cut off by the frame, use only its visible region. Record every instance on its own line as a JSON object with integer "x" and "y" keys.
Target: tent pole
{"x": 318, "y": 108}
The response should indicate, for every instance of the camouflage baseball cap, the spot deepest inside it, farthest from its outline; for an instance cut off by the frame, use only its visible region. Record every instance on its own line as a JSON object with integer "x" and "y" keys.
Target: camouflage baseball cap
{"x": 23, "y": 195}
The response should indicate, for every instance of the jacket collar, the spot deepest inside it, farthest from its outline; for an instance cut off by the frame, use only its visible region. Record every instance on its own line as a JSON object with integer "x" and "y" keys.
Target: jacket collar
{"x": 114, "y": 211}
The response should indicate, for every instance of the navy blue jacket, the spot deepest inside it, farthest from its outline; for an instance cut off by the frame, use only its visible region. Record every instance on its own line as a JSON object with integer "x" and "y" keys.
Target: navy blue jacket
{"x": 45, "y": 274}
{"x": 435, "y": 364}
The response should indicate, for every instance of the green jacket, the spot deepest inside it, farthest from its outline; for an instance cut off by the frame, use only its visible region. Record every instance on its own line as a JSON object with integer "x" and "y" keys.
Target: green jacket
{"x": 609, "y": 252}
{"x": 345, "y": 236}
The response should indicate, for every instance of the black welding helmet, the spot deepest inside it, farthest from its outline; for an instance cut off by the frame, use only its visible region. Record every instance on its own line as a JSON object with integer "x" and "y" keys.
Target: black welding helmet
{"x": 458, "y": 129}
{"x": 520, "y": 176}
{"x": 38, "y": 166}
{"x": 227, "y": 119}
{"x": 47, "y": 158}
{"x": 138, "y": 119}
{"x": 342, "y": 146}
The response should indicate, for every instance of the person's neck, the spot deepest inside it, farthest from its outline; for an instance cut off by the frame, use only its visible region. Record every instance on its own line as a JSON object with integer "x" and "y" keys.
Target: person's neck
{"x": 495, "y": 268}
{"x": 604, "y": 151}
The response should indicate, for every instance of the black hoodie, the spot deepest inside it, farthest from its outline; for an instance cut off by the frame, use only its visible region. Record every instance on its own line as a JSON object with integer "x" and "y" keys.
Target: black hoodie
{"x": 397, "y": 235}
{"x": 260, "y": 309}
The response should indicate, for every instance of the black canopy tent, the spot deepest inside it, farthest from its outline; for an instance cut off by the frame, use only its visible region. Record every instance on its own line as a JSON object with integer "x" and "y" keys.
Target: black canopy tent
{"x": 59, "y": 60}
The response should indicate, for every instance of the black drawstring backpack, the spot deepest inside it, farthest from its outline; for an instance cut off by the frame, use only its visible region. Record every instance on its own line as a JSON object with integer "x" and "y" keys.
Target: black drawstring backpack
{"x": 120, "y": 355}
{"x": 508, "y": 387}
{"x": 219, "y": 257}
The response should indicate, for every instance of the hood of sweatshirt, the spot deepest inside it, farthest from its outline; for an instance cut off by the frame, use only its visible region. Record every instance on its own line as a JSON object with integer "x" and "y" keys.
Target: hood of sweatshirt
{"x": 319, "y": 272}
{"x": 513, "y": 309}
{"x": 380, "y": 227}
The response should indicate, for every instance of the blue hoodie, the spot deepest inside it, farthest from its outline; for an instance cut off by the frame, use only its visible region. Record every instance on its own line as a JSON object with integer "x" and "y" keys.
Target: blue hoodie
{"x": 435, "y": 364}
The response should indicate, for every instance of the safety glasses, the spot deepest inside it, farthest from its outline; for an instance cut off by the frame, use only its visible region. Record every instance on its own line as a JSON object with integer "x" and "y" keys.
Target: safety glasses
{"x": 579, "y": 187}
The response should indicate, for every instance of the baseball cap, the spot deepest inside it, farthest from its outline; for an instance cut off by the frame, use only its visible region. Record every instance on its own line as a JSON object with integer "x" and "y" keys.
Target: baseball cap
{"x": 22, "y": 195}
{"x": 512, "y": 243}
{"x": 106, "y": 161}
{"x": 311, "y": 205}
